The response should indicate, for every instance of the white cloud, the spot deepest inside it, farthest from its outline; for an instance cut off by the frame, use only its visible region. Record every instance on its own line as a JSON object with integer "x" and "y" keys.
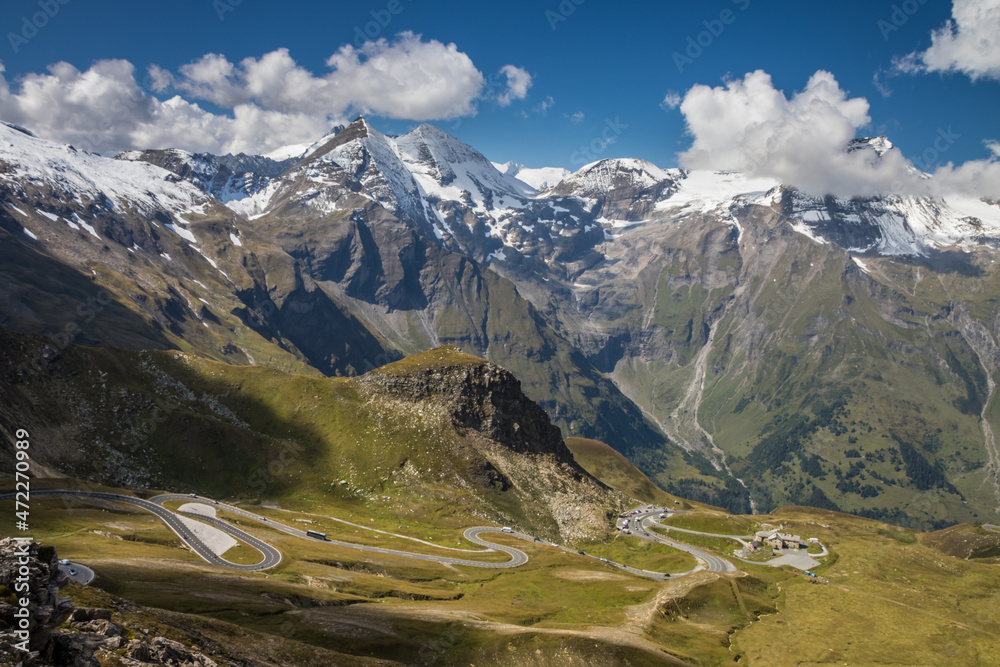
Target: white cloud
{"x": 980, "y": 178}
{"x": 577, "y": 117}
{"x": 881, "y": 86}
{"x": 518, "y": 82}
{"x": 408, "y": 79}
{"x": 269, "y": 101}
{"x": 672, "y": 100}
{"x": 968, "y": 43}
{"x": 544, "y": 106}
{"x": 96, "y": 109}
{"x": 748, "y": 125}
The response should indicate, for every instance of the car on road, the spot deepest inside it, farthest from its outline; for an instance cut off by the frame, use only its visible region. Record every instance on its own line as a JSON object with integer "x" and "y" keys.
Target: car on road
{"x": 506, "y": 529}
{"x": 581, "y": 553}
{"x": 72, "y": 573}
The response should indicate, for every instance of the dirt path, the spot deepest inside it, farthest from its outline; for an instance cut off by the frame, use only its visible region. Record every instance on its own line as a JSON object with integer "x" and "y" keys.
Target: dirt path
{"x": 641, "y": 616}
{"x": 380, "y": 616}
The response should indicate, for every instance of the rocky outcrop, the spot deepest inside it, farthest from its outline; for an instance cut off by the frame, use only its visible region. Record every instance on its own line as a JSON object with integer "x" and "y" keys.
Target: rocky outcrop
{"x": 61, "y": 635}
{"x": 480, "y": 396}
{"x": 514, "y": 452}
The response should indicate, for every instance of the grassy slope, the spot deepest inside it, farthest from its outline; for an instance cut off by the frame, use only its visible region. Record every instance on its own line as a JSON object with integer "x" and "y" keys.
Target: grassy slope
{"x": 226, "y": 643}
{"x": 966, "y": 541}
{"x": 863, "y": 360}
{"x": 881, "y": 579}
{"x": 612, "y": 468}
{"x": 879, "y": 575}
{"x": 890, "y": 600}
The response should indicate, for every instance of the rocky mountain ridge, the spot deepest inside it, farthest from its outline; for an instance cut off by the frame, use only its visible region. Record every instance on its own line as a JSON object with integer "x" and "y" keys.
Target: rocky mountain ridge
{"x": 730, "y": 313}
{"x": 228, "y": 178}
{"x": 479, "y": 396}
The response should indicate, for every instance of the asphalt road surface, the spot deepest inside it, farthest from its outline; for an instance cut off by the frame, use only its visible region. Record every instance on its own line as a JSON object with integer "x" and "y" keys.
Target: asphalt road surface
{"x": 517, "y": 557}
{"x": 641, "y": 523}
{"x": 271, "y": 556}
{"x": 84, "y": 575}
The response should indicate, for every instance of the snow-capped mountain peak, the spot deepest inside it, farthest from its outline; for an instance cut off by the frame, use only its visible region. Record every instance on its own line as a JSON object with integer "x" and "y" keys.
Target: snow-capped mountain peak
{"x": 604, "y": 175}
{"x": 540, "y": 178}
{"x": 423, "y": 174}
{"x": 447, "y": 167}
{"x": 880, "y": 145}
{"x": 434, "y": 179}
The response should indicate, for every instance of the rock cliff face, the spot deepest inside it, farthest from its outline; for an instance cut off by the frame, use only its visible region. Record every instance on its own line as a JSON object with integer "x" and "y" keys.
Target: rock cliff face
{"x": 480, "y": 396}
{"x": 62, "y": 635}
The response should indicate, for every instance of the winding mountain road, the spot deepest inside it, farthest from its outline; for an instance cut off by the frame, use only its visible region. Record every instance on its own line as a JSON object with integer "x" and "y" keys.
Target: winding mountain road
{"x": 270, "y": 556}
{"x": 517, "y": 557}
{"x": 643, "y": 520}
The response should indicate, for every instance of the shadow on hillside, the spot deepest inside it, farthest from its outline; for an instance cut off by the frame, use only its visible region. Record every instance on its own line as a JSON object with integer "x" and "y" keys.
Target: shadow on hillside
{"x": 44, "y": 296}
{"x": 116, "y": 418}
{"x": 945, "y": 261}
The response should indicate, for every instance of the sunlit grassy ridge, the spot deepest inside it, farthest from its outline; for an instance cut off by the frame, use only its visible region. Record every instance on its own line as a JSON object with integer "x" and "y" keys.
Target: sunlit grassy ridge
{"x": 888, "y": 601}
{"x": 173, "y": 420}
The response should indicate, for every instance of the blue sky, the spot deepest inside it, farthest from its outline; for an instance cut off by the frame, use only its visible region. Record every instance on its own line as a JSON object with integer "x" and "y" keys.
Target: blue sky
{"x": 601, "y": 69}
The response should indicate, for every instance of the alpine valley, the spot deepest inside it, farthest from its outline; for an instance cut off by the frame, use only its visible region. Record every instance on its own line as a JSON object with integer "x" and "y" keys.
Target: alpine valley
{"x": 389, "y": 340}
{"x": 741, "y": 343}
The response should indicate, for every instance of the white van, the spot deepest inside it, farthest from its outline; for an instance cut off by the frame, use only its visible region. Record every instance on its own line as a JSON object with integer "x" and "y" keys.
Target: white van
{"x": 506, "y": 529}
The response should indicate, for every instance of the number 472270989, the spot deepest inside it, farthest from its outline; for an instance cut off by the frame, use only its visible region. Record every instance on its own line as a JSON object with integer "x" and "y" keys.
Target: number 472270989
{"x": 23, "y": 481}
